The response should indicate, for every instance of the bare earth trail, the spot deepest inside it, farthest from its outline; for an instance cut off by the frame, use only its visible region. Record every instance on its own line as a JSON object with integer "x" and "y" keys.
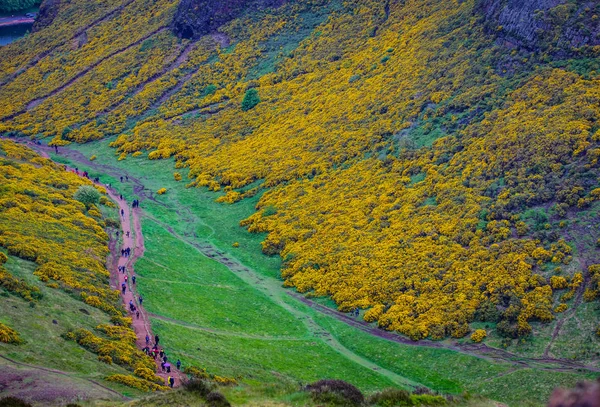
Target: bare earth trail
{"x": 277, "y": 293}
{"x": 133, "y": 239}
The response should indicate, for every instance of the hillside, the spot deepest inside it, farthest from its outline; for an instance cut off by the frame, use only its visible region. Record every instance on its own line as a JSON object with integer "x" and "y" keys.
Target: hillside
{"x": 431, "y": 165}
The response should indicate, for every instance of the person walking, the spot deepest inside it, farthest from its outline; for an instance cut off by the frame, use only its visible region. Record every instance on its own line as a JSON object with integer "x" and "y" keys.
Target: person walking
{"x": 178, "y": 364}
{"x": 141, "y": 300}
{"x": 122, "y": 213}
{"x": 123, "y": 287}
{"x": 147, "y": 339}
{"x": 156, "y": 339}
{"x": 133, "y": 279}
{"x": 171, "y": 381}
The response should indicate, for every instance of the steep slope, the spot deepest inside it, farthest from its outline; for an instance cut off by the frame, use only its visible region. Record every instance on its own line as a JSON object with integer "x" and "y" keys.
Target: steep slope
{"x": 414, "y": 165}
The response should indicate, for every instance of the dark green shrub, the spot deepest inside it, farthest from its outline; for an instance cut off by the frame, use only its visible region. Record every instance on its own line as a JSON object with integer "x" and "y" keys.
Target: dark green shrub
{"x": 335, "y": 392}
{"x": 198, "y": 386}
{"x": 391, "y": 398}
{"x": 13, "y": 402}
{"x": 216, "y": 399}
{"x": 251, "y": 99}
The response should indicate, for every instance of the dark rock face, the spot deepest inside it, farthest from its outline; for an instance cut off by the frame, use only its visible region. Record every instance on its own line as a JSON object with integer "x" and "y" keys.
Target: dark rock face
{"x": 543, "y": 24}
{"x": 195, "y": 18}
{"x": 48, "y": 11}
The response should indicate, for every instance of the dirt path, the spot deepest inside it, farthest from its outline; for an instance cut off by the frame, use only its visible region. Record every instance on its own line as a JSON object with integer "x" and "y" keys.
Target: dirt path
{"x": 274, "y": 290}
{"x": 132, "y": 237}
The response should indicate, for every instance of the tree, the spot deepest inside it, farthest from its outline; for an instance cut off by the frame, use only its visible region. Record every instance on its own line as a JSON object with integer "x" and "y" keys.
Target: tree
{"x": 251, "y": 99}
{"x": 88, "y": 195}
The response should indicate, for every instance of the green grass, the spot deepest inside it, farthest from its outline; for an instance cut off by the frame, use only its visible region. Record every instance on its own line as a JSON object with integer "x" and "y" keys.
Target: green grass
{"x": 245, "y": 323}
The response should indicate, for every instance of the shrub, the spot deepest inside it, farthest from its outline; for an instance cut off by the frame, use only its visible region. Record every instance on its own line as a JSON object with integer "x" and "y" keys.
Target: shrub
{"x": 136, "y": 383}
{"x": 558, "y": 283}
{"x": 390, "y": 397}
{"x": 177, "y": 176}
{"x": 196, "y": 372}
{"x": 251, "y": 99}
{"x": 88, "y": 195}
{"x": 9, "y": 335}
{"x": 335, "y": 392}
{"x": 479, "y": 335}
{"x": 216, "y": 399}
{"x": 92, "y": 158}
{"x": 148, "y": 374}
{"x": 560, "y": 308}
{"x": 162, "y": 191}
{"x": 13, "y": 402}
{"x": 3, "y": 258}
{"x": 198, "y": 386}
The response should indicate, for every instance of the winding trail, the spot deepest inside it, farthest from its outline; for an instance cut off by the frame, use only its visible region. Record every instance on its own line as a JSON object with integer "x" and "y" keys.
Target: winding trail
{"x": 273, "y": 289}
{"x": 135, "y": 240}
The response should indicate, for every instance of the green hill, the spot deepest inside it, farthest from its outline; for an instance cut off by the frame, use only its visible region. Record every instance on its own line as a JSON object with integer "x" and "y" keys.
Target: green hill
{"x": 427, "y": 167}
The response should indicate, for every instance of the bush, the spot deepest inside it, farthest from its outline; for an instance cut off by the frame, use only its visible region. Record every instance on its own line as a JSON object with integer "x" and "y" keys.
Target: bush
{"x": 390, "y": 397}
{"x": 216, "y": 399}
{"x": 13, "y": 402}
{"x": 177, "y": 176}
{"x": 198, "y": 386}
{"x": 8, "y": 335}
{"x": 251, "y": 99}
{"x": 87, "y": 195}
{"x": 479, "y": 335}
{"x": 136, "y": 383}
{"x": 162, "y": 191}
{"x": 335, "y": 392}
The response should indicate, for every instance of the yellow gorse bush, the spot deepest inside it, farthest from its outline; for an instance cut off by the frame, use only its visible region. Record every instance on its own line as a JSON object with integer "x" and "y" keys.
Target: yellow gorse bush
{"x": 8, "y": 335}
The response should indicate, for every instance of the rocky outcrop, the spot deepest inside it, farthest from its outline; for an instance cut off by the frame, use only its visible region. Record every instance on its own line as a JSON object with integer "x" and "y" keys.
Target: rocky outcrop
{"x": 554, "y": 25}
{"x": 195, "y": 18}
{"x": 48, "y": 11}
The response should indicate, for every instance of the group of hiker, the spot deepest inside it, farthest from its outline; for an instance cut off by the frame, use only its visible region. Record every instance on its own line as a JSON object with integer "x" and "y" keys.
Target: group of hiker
{"x": 157, "y": 352}
{"x": 126, "y": 252}
{"x": 135, "y": 203}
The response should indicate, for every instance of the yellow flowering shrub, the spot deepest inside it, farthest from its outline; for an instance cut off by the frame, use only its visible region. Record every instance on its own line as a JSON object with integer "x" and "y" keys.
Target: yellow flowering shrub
{"x": 162, "y": 191}
{"x": 9, "y": 335}
{"x": 561, "y": 308}
{"x": 558, "y": 283}
{"x": 479, "y": 335}
{"x": 177, "y": 176}
{"x": 136, "y": 383}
